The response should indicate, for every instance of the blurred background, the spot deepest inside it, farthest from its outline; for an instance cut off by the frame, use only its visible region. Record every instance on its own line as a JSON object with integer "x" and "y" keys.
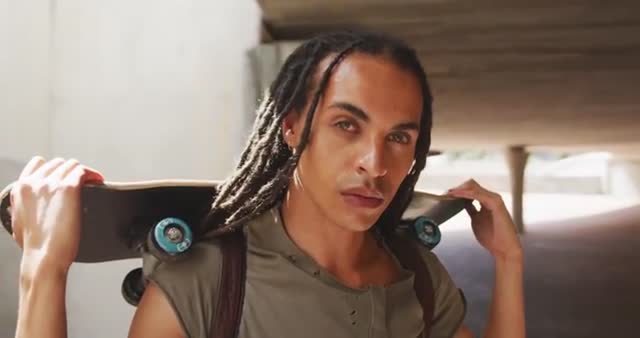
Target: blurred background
{"x": 535, "y": 100}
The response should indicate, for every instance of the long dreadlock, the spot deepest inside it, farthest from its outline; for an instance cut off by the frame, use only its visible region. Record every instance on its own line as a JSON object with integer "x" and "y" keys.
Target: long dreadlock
{"x": 267, "y": 163}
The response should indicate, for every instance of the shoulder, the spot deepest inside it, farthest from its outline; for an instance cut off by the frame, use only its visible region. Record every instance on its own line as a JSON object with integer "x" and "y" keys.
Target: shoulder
{"x": 155, "y": 317}
{"x": 437, "y": 270}
{"x": 189, "y": 283}
{"x": 450, "y": 304}
{"x": 203, "y": 259}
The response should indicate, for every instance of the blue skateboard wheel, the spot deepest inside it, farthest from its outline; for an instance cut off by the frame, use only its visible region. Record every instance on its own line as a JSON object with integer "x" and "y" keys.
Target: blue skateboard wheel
{"x": 427, "y": 231}
{"x": 173, "y": 235}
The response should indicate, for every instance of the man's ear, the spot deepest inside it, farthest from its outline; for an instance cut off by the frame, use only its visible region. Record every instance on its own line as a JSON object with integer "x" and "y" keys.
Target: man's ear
{"x": 291, "y": 130}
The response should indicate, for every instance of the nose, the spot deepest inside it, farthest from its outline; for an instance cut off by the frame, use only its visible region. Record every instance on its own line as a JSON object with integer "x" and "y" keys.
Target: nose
{"x": 371, "y": 161}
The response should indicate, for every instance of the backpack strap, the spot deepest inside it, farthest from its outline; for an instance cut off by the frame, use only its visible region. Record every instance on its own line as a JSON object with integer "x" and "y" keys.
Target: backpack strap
{"x": 226, "y": 319}
{"x": 411, "y": 259}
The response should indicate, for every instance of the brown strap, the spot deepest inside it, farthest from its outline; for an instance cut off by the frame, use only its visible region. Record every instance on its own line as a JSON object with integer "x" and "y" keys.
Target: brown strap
{"x": 410, "y": 258}
{"x": 226, "y": 320}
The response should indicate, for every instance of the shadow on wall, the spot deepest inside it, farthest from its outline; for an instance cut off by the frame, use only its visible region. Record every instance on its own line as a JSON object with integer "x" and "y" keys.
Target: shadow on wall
{"x": 9, "y": 264}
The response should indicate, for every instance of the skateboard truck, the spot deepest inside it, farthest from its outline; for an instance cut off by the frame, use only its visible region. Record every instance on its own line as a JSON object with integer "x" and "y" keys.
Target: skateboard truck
{"x": 422, "y": 219}
{"x": 168, "y": 239}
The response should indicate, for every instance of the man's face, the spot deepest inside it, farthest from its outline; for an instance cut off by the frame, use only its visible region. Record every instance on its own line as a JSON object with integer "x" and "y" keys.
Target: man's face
{"x": 362, "y": 140}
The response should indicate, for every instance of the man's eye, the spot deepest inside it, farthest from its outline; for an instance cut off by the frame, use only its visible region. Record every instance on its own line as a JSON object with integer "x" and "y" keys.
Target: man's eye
{"x": 399, "y": 138}
{"x": 346, "y": 125}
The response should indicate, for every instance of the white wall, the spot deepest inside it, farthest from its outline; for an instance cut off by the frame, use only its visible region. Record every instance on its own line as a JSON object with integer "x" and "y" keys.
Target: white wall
{"x": 162, "y": 81}
{"x": 138, "y": 90}
{"x": 24, "y": 74}
{"x": 24, "y": 119}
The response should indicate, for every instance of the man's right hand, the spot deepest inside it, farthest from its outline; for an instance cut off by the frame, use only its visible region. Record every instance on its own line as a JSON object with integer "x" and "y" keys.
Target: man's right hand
{"x": 45, "y": 211}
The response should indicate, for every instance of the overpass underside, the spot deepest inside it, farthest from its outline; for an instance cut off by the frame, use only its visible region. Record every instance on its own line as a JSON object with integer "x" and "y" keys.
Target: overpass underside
{"x": 515, "y": 76}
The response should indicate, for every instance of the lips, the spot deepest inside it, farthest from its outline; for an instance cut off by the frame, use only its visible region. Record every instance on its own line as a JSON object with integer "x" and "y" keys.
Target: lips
{"x": 362, "y": 197}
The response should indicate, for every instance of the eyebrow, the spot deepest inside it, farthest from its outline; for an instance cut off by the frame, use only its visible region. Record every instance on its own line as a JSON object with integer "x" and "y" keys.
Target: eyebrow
{"x": 361, "y": 114}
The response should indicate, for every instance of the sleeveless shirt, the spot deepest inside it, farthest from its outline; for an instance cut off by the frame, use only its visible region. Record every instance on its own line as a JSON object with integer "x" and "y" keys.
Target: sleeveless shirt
{"x": 287, "y": 294}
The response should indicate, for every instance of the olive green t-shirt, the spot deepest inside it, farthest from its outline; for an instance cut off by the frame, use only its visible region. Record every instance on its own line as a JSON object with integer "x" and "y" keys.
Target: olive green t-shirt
{"x": 287, "y": 294}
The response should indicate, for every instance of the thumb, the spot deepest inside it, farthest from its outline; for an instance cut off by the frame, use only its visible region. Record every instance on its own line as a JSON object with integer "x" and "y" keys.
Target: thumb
{"x": 471, "y": 209}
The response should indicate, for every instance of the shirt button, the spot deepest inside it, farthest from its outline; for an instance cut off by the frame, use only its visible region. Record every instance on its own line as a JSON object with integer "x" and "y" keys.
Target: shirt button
{"x": 292, "y": 258}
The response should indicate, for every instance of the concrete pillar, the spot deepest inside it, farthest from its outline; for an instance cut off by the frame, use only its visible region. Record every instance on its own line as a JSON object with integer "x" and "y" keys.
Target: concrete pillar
{"x": 517, "y": 159}
{"x": 266, "y": 61}
{"x": 623, "y": 178}
{"x": 136, "y": 89}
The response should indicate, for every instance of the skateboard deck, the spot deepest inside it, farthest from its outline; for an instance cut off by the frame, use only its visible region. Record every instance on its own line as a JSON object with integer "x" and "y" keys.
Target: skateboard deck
{"x": 118, "y": 217}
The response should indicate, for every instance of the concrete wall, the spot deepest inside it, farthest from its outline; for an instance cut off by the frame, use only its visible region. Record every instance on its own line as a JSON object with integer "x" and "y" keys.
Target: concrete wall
{"x": 138, "y": 90}
{"x": 24, "y": 73}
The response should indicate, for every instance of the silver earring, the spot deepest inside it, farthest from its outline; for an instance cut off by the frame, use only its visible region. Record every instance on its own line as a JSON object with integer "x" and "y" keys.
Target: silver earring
{"x": 287, "y": 134}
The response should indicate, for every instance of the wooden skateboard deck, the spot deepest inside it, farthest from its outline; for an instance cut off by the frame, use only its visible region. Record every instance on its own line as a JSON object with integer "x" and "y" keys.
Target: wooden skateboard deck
{"x": 118, "y": 216}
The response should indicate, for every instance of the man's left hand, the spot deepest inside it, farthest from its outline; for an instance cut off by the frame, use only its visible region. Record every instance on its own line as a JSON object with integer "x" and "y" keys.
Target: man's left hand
{"x": 492, "y": 225}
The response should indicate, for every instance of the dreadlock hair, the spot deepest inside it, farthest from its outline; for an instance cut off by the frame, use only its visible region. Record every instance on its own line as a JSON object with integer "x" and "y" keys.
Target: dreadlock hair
{"x": 266, "y": 164}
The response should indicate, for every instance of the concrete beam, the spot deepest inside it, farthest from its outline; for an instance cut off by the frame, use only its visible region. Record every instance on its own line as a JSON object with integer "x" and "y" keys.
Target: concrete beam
{"x": 265, "y": 33}
{"x": 517, "y": 159}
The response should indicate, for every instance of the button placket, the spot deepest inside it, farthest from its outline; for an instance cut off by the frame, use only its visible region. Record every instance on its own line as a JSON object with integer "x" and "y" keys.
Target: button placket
{"x": 354, "y": 317}
{"x": 357, "y": 314}
{"x": 379, "y": 304}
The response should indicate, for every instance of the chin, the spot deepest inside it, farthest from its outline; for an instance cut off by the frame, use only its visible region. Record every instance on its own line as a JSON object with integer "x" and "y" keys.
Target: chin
{"x": 358, "y": 221}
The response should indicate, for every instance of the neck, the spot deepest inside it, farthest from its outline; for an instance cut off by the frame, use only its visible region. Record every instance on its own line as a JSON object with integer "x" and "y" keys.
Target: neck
{"x": 335, "y": 248}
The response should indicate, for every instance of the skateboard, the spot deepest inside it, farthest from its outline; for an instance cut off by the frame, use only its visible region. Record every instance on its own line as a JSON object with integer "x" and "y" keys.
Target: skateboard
{"x": 120, "y": 219}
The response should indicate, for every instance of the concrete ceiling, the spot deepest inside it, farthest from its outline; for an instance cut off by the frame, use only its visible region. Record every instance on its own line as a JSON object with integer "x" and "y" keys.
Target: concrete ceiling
{"x": 546, "y": 73}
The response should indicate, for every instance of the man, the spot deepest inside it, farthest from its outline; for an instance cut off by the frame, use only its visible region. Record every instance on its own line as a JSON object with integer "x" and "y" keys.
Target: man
{"x": 338, "y": 145}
